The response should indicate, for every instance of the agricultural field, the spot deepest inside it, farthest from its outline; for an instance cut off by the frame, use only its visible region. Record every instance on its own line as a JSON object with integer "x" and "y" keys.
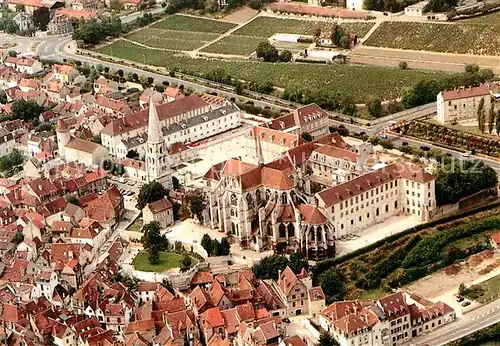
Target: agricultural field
{"x": 194, "y": 24}
{"x": 171, "y": 39}
{"x": 241, "y": 45}
{"x": 459, "y": 37}
{"x": 267, "y": 27}
{"x": 180, "y": 33}
{"x": 346, "y": 80}
{"x": 490, "y": 18}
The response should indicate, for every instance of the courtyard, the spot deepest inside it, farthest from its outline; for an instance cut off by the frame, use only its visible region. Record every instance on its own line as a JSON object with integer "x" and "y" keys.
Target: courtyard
{"x": 167, "y": 261}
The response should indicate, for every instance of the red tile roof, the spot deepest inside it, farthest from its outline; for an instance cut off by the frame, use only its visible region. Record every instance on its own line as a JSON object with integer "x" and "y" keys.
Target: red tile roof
{"x": 457, "y": 94}
{"x": 311, "y": 215}
{"x": 160, "y": 205}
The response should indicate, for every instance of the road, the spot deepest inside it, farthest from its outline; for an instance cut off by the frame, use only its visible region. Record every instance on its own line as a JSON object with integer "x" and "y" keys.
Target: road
{"x": 475, "y": 320}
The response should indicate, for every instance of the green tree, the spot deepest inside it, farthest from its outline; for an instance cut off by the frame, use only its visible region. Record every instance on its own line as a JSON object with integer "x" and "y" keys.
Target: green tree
{"x": 326, "y": 339}
{"x": 186, "y": 262}
{"x": 298, "y": 262}
{"x": 206, "y": 243}
{"x": 225, "y": 247}
{"x": 74, "y": 201}
{"x": 497, "y": 123}
{"x": 41, "y": 18}
{"x": 269, "y": 266}
{"x": 215, "y": 245}
{"x": 26, "y": 110}
{"x": 339, "y": 37}
{"x": 132, "y": 154}
{"x": 306, "y": 136}
{"x": 195, "y": 202}
{"x": 238, "y": 88}
{"x": 286, "y": 56}
{"x": 12, "y": 53}
{"x": 150, "y": 193}
{"x": 18, "y": 237}
{"x": 267, "y": 52}
{"x": 3, "y": 97}
{"x": 403, "y": 65}
{"x": 481, "y": 115}
{"x": 374, "y": 106}
{"x": 7, "y": 162}
{"x": 491, "y": 116}
{"x": 333, "y": 283}
{"x": 471, "y": 68}
{"x": 20, "y": 8}
{"x": 154, "y": 256}
{"x": 115, "y": 5}
{"x": 107, "y": 164}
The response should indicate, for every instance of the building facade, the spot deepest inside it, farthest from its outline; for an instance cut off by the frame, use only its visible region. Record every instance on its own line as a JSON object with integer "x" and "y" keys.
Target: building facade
{"x": 461, "y": 105}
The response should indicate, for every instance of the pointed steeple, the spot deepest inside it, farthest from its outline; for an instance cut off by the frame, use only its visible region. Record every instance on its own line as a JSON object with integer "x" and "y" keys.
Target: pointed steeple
{"x": 154, "y": 127}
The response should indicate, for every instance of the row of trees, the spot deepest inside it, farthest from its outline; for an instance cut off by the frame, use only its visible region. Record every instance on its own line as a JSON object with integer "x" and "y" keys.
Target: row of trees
{"x": 96, "y": 30}
{"x": 493, "y": 117}
{"x": 270, "y": 266}
{"x": 214, "y": 247}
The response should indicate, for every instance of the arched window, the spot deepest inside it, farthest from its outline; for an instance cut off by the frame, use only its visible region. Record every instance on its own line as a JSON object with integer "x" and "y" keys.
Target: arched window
{"x": 291, "y": 230}
{"x": 282, "y": 230}
{"x": 319, "y": 231}
{"x": 269, "y": 230}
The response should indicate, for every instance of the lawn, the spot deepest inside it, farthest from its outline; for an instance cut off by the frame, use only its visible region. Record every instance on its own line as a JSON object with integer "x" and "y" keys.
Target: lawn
{"x": 136, "y": 226}
{"x": 347, "y": 80}
{"x": 485, "y": 291}
{"x": 267, "y": 27}
{"x": 167, "y": 261}
{"x": 490, "y": 18}
{"x": 171, "y": 39}
{"x": 241, "y": 45}
{"x": 460, "y": 37}
{"x": 187, "y": 23}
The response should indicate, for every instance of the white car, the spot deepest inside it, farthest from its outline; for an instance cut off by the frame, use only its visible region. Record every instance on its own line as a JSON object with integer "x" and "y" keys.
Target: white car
{"x": 466, "y": 154}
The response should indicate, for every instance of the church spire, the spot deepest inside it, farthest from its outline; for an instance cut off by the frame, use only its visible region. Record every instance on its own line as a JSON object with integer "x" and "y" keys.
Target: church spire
{"x": 154, "y": 127}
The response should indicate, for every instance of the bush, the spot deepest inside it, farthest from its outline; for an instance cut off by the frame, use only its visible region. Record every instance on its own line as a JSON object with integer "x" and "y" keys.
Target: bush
{"x": 403, "y": 65}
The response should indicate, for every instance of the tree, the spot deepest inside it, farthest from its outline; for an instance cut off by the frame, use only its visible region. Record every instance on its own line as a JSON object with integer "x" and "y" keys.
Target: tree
{"x": 175, "y": 183}
{"x": 3, "y": 97}
{"x": 211, "y": 6}
{"x": 206, "y": 243}
{"x": 333, "y": 283}
{"x": 132, "y": 154}
{"x": 11, "y": 27}
{"x": 286, "y": 56}
{"x": 256, "y": 4}
{"x": 471, "y": 68}
{"x": 41, "y": 18}
{"x": 7, "y": 162}
{"x": 74, "y": 201}
{"x": 195, "y": 201}
{"x": 12, "y": 53}
{"x": 20, "y": 8}
{"x": 115, "y": 5}
{"x": 154, "y": 256}
{"x": 26, "y": 110}
{"x": 270, "y": 266}
{"x": 225, "y": 247}
{"x": 317, "y": 33}
{"x": 403, "y": 65}
{"x": 491, "y": 116}
{"x": 339, "y": 37}
{"x": 298, "y": 262}
{"x": 186, "y": 262}
{"x": 107, "y": 165}
{"x": 18, "y": 237}
{"x": 238, "y": 88}
{"x": 150, "y": 193}
{"x": 306, "y": 136}
{"x": 374, "y": 106}
{"x": 267, "y": 52}
{"x": 326, "y": 339}
{"x": 497, "y": 123}
{"x": 481, "y": 115}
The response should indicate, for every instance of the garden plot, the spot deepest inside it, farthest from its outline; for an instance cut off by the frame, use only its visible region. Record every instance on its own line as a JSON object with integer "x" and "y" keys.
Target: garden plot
{"x": 461, "y": 38}
{"x": 194, "y": 24}
{"x": 240, "y": 45}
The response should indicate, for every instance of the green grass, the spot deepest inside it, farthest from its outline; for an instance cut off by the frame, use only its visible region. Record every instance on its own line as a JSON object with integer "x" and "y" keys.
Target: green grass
{"x": 267, "y": 27}
{"x": 167, "y": 261}
{"x": 187, "y": 23}
{"x": 490, "y": 18}
{"x": 487, "y": 290}
{"x": 171, "y": 39}
{"x": 373, "y": 294}
{"x": 356, "y": 81}
{"x": 136, "y": 226}
{"x": 460, "y": 37}
{"x": 241, "y": 45}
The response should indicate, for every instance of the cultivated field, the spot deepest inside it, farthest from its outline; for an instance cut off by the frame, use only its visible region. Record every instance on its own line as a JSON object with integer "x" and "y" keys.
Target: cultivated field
{"x": 245, "y": 40}
{"x": 356, "y": 81}
{"x": 460, "y": 37}
{"x": 186, "y": 23}
{"x": 180, "y": 33}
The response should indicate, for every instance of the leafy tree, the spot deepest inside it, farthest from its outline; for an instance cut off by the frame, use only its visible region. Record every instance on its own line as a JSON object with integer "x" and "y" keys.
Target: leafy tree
{"x": 238, "y": 88}
{"x": 267, "y": 52}
{"x": 3, "y": 97}
{"x": 339, "y": 37}
{"x": 269, "y": 266}
{"x": 374, "y": 106}
{"x": 215, "y": 245}
{"x": 286, "y": 56}
{"x": 206, "y": 243}
{"x": 306, "y": 136}
{"x": 403, "y": 65}
{"x": 256, "y": 4}
{"x": 154, "y": 241}
{"x": 326, "y": 339}
{"x": 386, "y": 144}
{"x": 317, "y": 33}
{"x": 211, "y": 6}
{"x": 225, "y": 247}
{"x": 20, "y": 8}
{"x": 333, "y": 283}
{"x": 12, "y": 53}
{"x": 26, "y": 110}
{"x": 107, "y": 164}
{"x": 175, "y": 183}
{"x": 74, "y": 201}
{"x": 298, "y": 262}
{"x": 491, "y": 116}
{"x": 154, "y": 256}
{"x": 115, "y": 5}
{"x": 18, "y": 237}
{"x": 497, "y": 123}
{"x": 481, "y": 115}
{"x": 150, "y": 193}
{"x": 11, "y": 160}
{"x": 471, "y": 68}
{"x": 41, "y": 18}
{"x": 132, "y": 154}
{"x": 186, "y": 262}
{"x": 195, "y": 202}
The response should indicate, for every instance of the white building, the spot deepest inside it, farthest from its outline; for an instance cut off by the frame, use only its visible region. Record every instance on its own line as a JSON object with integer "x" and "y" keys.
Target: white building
{"x": 461, "y": 105}
{"x": 355, "y": 5}
{"x": 416, "y": 10}
{"x": 27, "y": 65}
{"x": 161, "y": 211}
{"x": 45, "y": 284}
{"x": 23, "y": 20}
{"x": 400, "y": 188}
{"x": 7, "y": 142}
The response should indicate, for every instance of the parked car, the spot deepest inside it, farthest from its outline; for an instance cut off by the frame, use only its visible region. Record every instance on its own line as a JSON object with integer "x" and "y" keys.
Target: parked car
{"x": 383, "y": 136}
{"x": 405, "y": 143}
{"x": 466, "y": 154}
{"x": 195, "y": 241}
{"x": 466, "y": 303}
